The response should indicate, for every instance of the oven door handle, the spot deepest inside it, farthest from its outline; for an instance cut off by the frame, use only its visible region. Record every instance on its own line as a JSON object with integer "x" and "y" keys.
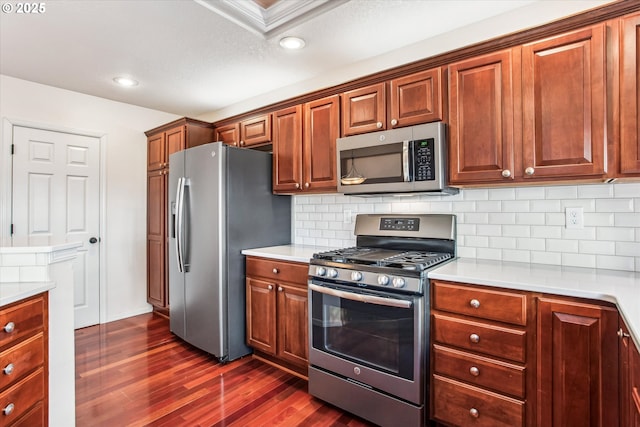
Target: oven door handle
{"x": 361, "y": 297}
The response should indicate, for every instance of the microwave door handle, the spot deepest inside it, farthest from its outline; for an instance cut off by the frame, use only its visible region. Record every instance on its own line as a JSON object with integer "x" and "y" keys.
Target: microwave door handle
{"x": 360, "y": 297}
{"x": 405, "y": 161}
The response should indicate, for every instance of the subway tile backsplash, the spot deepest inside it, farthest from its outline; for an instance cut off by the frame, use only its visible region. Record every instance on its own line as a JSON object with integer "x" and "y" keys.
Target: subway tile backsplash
{"x": 525, "y": 224}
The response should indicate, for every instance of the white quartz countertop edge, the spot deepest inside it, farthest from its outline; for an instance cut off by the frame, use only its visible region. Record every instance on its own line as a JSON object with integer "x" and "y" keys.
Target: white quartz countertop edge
{"x": 18, "y": 249}
{"x": 293, "y": 252}
{"x": 13, "y": 292}
{"x": 619, "y": 287}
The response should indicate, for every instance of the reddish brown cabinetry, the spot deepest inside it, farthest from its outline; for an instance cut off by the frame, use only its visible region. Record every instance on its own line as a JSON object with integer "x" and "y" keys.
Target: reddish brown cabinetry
{"x": 577, "y": 370}
{"x": 480, "y": 360}
{"x": 629, "y": 92}
{"x": 277, "y": 312}
{"x": 304, "y": 146}
{"x": 251, "y": 132}
{"x": 24, "y": 360}
{"x": 629, "y": 378}
{"x": 161, "y": 143}
{"x": 413, "y": 99}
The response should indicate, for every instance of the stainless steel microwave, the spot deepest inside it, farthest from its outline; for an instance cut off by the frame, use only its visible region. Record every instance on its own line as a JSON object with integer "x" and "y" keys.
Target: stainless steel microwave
{"x": 404, "y": 160}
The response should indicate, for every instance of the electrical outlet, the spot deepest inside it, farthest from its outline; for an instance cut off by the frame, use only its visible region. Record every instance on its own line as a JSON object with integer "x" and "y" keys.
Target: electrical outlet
{"x": 347, "y": 216}
{"x": 574, "y": 218}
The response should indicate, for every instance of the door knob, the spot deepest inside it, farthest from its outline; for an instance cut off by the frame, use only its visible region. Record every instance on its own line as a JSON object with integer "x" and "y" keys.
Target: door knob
{"x": 93, "y": 240}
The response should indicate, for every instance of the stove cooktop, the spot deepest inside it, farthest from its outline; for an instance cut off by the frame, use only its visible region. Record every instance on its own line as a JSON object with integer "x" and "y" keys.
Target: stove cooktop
{"x": 378, "y": 257}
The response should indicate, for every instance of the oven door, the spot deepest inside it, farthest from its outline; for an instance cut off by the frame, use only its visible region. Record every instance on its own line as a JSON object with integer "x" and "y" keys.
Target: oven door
{"x": 372, "y": 338}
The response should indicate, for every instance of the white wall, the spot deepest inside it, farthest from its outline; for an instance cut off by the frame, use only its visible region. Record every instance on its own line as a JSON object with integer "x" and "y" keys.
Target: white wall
{"x": 123, "y": 125}
{"x": 524, "y": 224}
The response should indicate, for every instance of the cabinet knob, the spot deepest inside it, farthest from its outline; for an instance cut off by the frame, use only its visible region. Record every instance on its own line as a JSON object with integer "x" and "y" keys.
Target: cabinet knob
{"x": 623, "y": 334}
{"x": 270, "y": 287}
{"x": 474, "y": 338}
{"x": 474, "y": 303}
{"x": 242, "y": 143}
{"x": 394, "y": 122}
{"x": 161, "y": 173}
{"x": 474, "y": 412}
{"x": 280, "y": 289}
{"x": 379, "y": 125}
{"x": 506, "y": 173}
{"x": 8, "y": 370}
{"x": 474, "y": 371}
{"x": 234, "y": 143}
{"x": 529, "y": 171}
{"x": 9, "y": 327}
{"x": 297, "y": 185}
{"x": 8, "y": 409}
{"x": 306, "y": 185}
{"x": 275, "y": 271}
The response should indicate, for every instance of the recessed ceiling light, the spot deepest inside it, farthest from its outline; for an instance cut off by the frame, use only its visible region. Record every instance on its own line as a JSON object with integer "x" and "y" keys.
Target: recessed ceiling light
{"x": 292, "y": 42}
{"x": 125, "y": 81}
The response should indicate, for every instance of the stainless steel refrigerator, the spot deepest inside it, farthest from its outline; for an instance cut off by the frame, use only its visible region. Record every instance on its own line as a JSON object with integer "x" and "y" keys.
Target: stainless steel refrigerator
{"x": 220, "y": 202}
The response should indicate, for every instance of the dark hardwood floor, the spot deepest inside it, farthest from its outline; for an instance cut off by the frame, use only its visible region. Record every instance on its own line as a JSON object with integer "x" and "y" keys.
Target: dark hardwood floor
{"x": 134, "y": 372}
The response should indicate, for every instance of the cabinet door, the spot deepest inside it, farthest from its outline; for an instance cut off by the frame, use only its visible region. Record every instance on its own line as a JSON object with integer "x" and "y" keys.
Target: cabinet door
{"x": 416, "y": 98}
{"x": 634, "y": 389}
{"x": 287, "y": 149}
{"x": 175, "y": 141}
{"x": 261, "y": 315}
{"x": 293, "y": 342}
{"x": 321, "y": 129}
{"x": 229, "y": 134}
{"x": 563, "y": 99}
{"x": 363, "y": 110}
{"x": 629, "y": 92}
{"x": 156, "y": 238}
{"x": 481, "y": 117}
{"x": 577, "y": 364}
{"x": 156, "y": 155}
{"x": 255, "y": 131}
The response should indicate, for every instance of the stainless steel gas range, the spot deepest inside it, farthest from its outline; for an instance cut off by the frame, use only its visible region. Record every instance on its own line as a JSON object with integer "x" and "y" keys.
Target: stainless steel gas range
{"x": 369, "y": 317}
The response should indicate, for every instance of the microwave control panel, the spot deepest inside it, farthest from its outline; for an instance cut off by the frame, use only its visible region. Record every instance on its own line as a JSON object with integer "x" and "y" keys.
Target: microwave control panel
{"x": 424, "y": 168}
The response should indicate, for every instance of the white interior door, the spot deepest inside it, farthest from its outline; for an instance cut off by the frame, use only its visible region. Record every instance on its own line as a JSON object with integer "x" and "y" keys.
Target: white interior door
{"x": 56, "y": 199}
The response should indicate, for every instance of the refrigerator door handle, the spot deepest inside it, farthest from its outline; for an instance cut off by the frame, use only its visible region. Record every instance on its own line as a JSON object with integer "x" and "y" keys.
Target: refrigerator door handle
{"x": 178, "y": 223}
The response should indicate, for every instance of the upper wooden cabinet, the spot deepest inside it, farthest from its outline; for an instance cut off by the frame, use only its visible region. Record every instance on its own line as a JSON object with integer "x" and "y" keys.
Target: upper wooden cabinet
{"x": 304, "y": 146}
{"x": 481, "y": 121}
{"x": 250, "y": 132}
{"x": 535, "y": 112}
{"x": 629, "y": 92}
{"x": 413, "y": 99}
{"x": 563, "y": 106}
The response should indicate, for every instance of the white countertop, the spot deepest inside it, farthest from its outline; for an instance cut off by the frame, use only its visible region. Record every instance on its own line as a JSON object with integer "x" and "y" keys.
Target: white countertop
{"x": 12, "y": 292}
{"x": 296, "y": 253}
{"x": 25, "y": 248}
{"x": 619, "y": 287}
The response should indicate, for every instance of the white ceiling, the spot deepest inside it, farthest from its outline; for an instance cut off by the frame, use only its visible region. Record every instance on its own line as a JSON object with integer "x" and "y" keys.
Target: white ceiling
{"x": 192, "y": 61}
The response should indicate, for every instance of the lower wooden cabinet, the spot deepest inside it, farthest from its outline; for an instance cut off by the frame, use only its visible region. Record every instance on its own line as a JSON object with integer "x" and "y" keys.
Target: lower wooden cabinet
{"x": 24, "y": 347}
{"x": 629, "y": 378}
{"x": 277, "y": 327}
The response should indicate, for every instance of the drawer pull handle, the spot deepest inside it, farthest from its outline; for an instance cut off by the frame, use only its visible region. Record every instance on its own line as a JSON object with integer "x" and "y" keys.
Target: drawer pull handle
{"x": 270, "y": 287}
{"x": 8, "y": 409}
{"x": 9, "y": 327}
{"x": 8, "y": 370}
{"x": 275, "y": 271}
{"x": 474, "y": 371}
{"x": 474, "y": 303}
{"x": 474, "y": 412}
{"x": 474, "y": 338}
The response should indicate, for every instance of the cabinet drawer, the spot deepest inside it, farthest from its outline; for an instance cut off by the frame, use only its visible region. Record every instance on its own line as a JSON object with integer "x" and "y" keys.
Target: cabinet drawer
{"x": 23, "y": 395}
{"x": 499, "y": 376}
{"x": 20, "y": 359}
{"x": 278, "y": 271}
{"x": 24, "y": 317}
{"x": 478, "y": 302}
{"x": 481, "y": 337}
{"x": 34, "y": 418}
{"x": 464, "y": 405}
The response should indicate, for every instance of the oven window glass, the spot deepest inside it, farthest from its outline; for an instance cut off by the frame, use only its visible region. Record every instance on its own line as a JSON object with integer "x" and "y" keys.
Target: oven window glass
{"x": 378, "y": 164}
{"x": 376, "y": 336}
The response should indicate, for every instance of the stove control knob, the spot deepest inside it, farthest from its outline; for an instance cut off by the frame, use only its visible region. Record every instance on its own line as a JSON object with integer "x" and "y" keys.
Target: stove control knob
{"x": 332, "y": 273}
{"x": 383, "y": 280}
{"x": 398, "y": 282}
{"x": 321, "y": 271}
{"x": 356, "y": 276}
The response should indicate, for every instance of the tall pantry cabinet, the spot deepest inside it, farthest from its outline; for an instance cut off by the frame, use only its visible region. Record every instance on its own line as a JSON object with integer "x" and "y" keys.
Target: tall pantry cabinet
{"x": 161, "y": 143}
